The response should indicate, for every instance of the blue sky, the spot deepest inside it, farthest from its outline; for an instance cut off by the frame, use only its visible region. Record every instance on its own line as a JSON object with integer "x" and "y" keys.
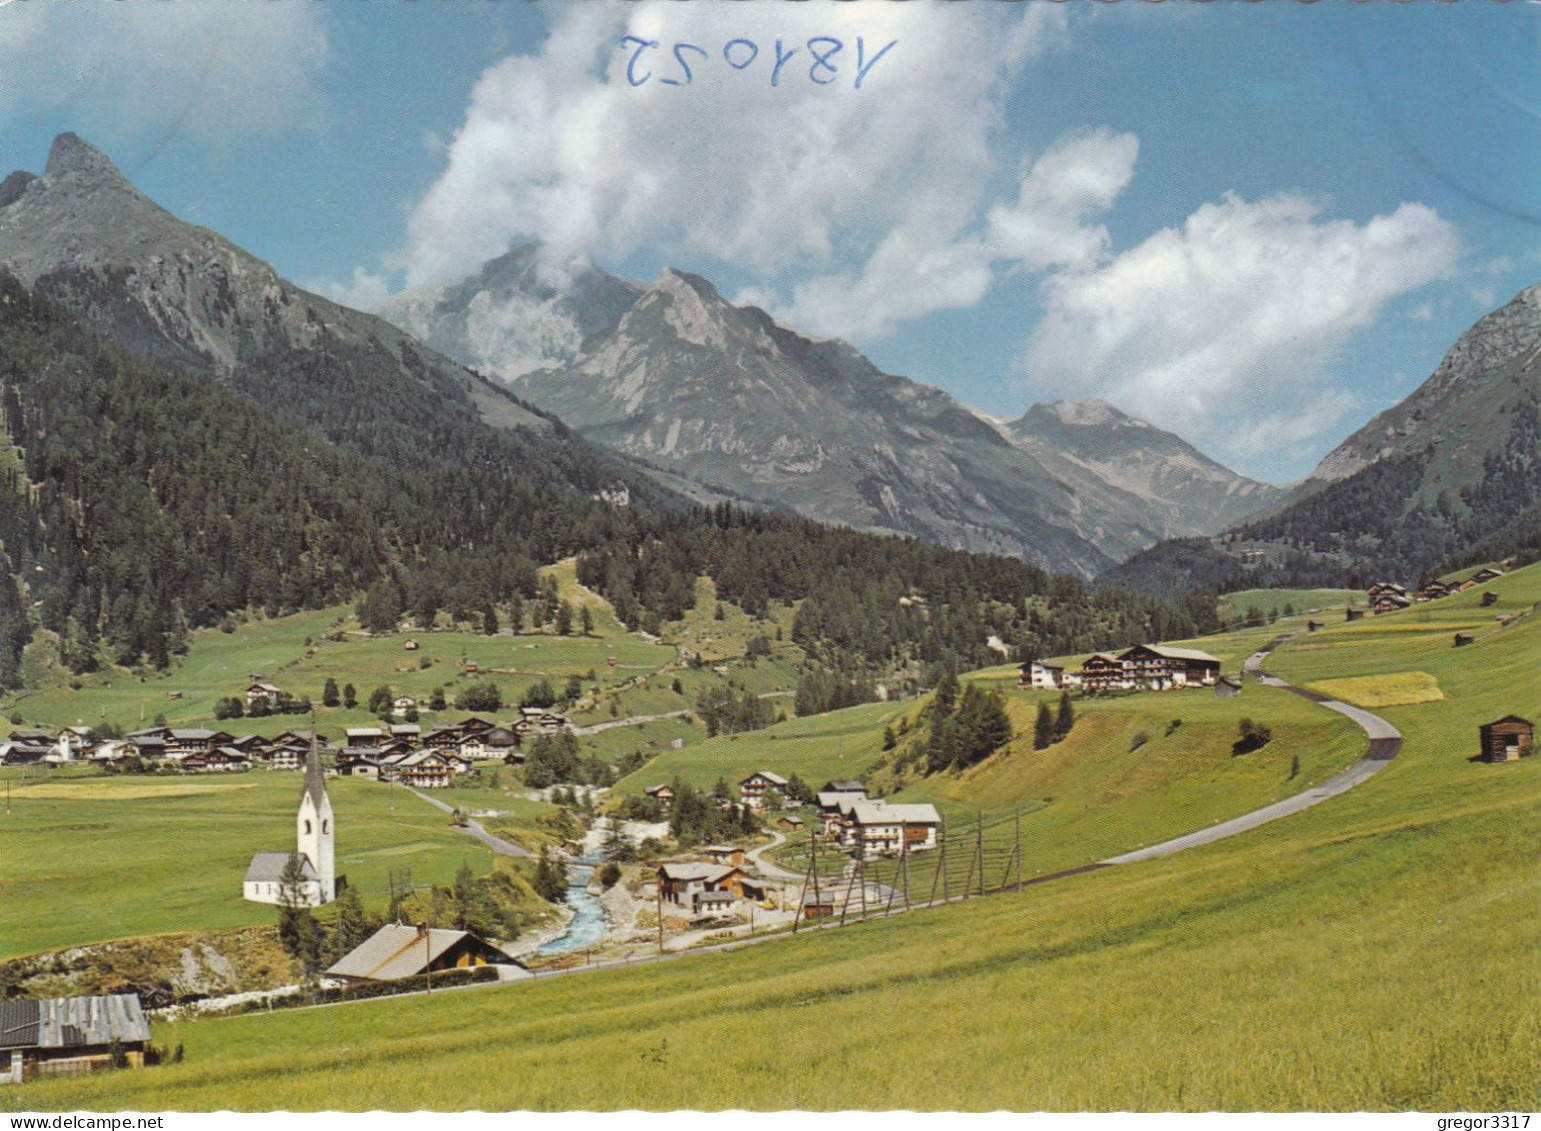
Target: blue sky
{"x": 1255, "y": 224}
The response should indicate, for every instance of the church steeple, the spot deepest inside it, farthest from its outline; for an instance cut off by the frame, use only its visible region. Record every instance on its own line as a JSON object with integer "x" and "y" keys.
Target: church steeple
{"x": 313, "y": 825}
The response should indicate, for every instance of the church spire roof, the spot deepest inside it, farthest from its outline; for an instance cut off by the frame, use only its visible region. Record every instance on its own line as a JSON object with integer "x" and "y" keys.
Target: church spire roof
{"x": 315, "y": 778}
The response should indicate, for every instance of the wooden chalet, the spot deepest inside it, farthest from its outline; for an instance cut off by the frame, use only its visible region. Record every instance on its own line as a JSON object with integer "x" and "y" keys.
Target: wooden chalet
{"x": 1159, "y": 667}
{"x": 70, "y": 1036}
{"x": 289, "y": 756}
{"x": 423, "y": 769}
{"x": 258, "y": 690}
{"x": 1354, "y": 614}
{"x": 754, "y": 791}
{"x": 664, "y": 793}
{"x": 194, "y": 740}
{"x": 402, "y": 704}
{"x": 789, "y": 824}
{"x": 538, "y": 720}
{"x": 1102, "y": 671}
{"x": 24, "y": 753}
{"x": 1381, "y": 587}
{"x": 399, "y": 951}
{"x": 1314, "y": 626}
{"x": 365, "y": 736}
{"x": 1389, "y": 602}
{"x": 1507, "y": 739}
{"x": 1433, "y": 591}
{"x": 301, "y": 737}
{"x": 1486, "y": 574}
{"x": 723, "y": 853}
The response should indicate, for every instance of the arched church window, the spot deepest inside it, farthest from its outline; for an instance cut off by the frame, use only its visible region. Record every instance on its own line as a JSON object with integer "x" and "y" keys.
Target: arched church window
{"x": 326, "y": 826}
{"x": 307, "y": 828}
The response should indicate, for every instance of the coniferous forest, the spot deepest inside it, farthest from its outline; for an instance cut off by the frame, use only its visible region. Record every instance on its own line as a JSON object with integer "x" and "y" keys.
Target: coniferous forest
{"x": 138, "y": 503}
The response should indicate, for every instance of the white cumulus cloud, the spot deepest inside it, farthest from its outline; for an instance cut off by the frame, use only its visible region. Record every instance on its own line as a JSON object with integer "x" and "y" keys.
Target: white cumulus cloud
{"x": 1221, "y": 329}
{"x": 789, "y": 181}
{"x": 943, "y": 258}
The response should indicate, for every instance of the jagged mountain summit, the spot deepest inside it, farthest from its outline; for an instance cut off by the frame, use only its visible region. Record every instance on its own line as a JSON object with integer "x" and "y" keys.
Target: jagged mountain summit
{"x": 675, "y": 376}
{"x": 1463, "y": 409}
{"x": 726, "y": 396}
{"x": 1160, "y": 481}
{"x": 184, "y": 296}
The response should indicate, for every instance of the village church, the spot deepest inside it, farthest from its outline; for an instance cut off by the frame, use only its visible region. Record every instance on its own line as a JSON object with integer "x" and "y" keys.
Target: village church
{"x": 315, "y": 833}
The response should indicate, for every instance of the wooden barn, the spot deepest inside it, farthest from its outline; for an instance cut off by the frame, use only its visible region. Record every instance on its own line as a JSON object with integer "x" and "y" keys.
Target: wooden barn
{"x": 1507, "y": 739}
{"x": 68, "y": 1036}
{"x": 399, "y": 951}
{"x": 1464, "y": 638}
{"x": 1227, "y": 686}
{"x": 1355, "y": 614}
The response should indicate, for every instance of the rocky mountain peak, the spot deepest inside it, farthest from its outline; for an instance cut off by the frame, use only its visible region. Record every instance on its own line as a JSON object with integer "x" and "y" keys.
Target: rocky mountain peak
{"x": 74, "y": 159}
{"x": 1088, "y": 413}
{"x": 693, "y": 310}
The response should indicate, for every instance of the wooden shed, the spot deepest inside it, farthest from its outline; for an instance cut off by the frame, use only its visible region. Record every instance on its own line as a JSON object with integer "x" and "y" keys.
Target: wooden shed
{"x": 1464, "y": 638}
{"x": 1355, "y": 614}
{"x": 1507, "y": 739}
{"x": 70, "y": 1036}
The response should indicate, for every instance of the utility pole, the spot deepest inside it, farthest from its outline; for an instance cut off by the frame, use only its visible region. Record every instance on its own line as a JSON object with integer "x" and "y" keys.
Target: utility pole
{"x": 946, "y": 895}
{"x": 818, "y": 903}
{"x": 1019, "y": 848}
{"x": 904, "y": 859}
{"x": 427, "y": 954}
{"x": 660, "y": 914}
{"x": 979, "y": 849}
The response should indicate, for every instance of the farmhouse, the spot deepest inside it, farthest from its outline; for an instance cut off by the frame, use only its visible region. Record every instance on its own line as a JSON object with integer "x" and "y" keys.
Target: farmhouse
{"x": 536, "y": 720}
{"x": 723, "y": 853}
{"x": 1486, "y": 574}
{"x": 835, "y": 804}
{"x": 754, "y": 790}
{"x": 1042, "y": 674}
{"x": 877, "y": 828}
{"x": 1507, "y": 739}
{"x": 789, "y": 824}
{"x": 1385, "y": 587}
{"x": 664, "y": 793}
{"x": 194, "y": 740}
{"x": 425, "y": 769}
{"x": 314, "y": 845}
{"x": 399, "y": 951}
{"x": 402, "y": 704}
{"x": 259, "y": 690}
{"x": 365, "y": 736}
{"x": 70, "y": 1035}
{"x": 683, "y": 883}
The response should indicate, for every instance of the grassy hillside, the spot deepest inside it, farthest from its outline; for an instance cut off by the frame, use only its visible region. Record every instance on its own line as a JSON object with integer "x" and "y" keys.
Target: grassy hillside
{"x": 299, "y": 653}
{"x": 1374, "y": 952}
{"x": 1268, "y": 601}
{"x": 92, "y": 859}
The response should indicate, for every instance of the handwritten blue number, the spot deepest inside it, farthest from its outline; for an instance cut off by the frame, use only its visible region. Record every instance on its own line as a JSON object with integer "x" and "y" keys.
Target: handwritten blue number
{"x": 781, "y": 61}
{"x": 821, "y": 59}
{"x": 642, "y": 45}
{"x": 862, "y": 66}
{"x": 684, "y": 66}
{"x": 754, "y": 52}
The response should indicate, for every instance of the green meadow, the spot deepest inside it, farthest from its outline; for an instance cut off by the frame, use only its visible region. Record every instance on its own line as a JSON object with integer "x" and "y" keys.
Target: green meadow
{"x": 86, "y": 860}
{"x": 1375, "y": 952}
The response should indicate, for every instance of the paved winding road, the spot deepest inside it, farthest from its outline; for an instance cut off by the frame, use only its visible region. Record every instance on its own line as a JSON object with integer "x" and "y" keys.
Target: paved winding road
{"x": 472, "y": 829}
{"x": 1385, "y": 744}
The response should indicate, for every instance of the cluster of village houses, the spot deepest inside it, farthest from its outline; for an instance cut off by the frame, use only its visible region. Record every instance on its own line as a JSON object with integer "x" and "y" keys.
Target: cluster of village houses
{"x": 1388, "y": 596}
{"x": 403, "y": 752}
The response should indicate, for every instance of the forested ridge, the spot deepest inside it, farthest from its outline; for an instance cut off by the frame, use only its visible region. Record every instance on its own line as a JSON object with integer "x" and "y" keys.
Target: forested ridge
{"x": 1370, "y": 526}
{"x": 138, "y": 503}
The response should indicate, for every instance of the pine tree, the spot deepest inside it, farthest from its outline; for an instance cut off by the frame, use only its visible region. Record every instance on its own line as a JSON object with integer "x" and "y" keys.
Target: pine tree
{"x": 1043, "y": 728}
{"x": 1066, "y": 717}
{"x": 564, "y": 619}
{"x": 350, "y": 697}
{"x": 329, "y": 695}
{"x": 586, "y": 621}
